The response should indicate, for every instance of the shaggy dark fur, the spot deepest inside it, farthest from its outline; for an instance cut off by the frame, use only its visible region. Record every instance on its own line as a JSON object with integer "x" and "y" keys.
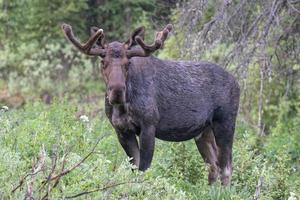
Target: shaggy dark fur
{"x": 170, "y": 100}
{"x": 175, "y": 101}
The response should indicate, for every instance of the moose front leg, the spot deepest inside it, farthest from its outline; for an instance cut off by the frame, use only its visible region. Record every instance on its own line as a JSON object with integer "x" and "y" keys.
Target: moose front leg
{"x": 129, "y": 143}
{"x": 147, "y": 140}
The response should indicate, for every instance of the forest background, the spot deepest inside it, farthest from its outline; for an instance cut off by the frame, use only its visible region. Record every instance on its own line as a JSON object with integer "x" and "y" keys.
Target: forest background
{"x": 56, "y": 142}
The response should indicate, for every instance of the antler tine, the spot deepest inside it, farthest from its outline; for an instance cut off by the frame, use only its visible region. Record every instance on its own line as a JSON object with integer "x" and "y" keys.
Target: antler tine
{"x": 160, "y": 37}
{"x": 100, "y": 42}
{"x": 87, "y": 47}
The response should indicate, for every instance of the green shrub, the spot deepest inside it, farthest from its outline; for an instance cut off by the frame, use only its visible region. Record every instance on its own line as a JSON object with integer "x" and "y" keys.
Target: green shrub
{"x": 177, "y": 170}
{"x": 24, "y": 132}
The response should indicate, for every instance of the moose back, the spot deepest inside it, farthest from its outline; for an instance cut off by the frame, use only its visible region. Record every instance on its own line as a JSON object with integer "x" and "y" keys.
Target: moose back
{"x": 171, "y": 100}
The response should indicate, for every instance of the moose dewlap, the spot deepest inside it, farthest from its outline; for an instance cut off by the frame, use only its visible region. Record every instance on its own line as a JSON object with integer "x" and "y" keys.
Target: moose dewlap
{"x": 171, "y": 100}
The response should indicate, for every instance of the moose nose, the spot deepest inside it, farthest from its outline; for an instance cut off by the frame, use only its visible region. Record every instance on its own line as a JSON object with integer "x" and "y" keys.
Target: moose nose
{"x": 116, "y": 88}
{"x": 116, "y": 94}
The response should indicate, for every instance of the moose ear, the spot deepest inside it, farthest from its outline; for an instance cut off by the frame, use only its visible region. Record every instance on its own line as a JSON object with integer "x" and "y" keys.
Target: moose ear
{"x": 100, "y": 42}
{"x": 137, "y": 32}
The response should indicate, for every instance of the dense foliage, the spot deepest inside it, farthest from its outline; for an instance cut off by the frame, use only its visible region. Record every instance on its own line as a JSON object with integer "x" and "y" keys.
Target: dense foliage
{"x": 34, "y": 52}
{"x": 53, "y": 132}
{"x": 258, "y": 41}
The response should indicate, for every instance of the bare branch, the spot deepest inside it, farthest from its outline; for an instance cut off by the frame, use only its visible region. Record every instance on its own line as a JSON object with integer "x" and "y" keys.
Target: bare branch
{"x": 67, "y": 171}
{"x": 258, "y": 188}
{"x": 290, "y": 4}
{"x": 35, "y": 170}
{"x": 276, "y": 5}
{"x": 260, "y": 124}
{"x": 102, "y": 189}
{"x": 51, "y": 180}
{"x": 207, "y": 27}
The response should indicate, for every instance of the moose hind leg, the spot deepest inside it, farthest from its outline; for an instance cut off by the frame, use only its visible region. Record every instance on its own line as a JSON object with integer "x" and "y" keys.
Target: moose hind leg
{"x": 207, "y": 147}
{"x": 224, "y": 132}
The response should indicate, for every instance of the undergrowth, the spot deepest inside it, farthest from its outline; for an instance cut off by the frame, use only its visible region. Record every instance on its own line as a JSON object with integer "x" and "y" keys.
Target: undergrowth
{"x": 177, "y": 172}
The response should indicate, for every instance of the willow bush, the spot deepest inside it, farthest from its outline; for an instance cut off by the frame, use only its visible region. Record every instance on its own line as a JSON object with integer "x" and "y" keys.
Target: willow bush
{"x": 52, "y": 137}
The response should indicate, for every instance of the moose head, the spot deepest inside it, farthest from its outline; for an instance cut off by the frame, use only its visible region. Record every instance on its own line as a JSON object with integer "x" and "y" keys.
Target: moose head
{"x": 115, "y": 56}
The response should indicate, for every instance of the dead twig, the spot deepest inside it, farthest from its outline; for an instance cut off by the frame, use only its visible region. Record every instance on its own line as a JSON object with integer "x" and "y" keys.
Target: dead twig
{"x": 290, "y": 4}
{"x": 56, "y": 178}
{"x": 207, "y": 27}
{"x": 67, "y": 171}
{"x": 51, "y": 180}
{"x": 258, "y": 188}
{"x": 36, "y": 168}
{"x": 102, "y": 189}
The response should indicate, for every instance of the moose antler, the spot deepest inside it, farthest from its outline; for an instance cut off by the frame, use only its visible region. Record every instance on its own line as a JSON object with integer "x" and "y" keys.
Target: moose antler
{"x": 145, "y": 49}
{"x": 86, "y": 48}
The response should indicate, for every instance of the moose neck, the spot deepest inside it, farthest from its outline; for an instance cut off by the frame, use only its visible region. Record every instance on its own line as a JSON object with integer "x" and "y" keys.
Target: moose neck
{"x": 140, "y": 77}
{"x": 140, "y": 73}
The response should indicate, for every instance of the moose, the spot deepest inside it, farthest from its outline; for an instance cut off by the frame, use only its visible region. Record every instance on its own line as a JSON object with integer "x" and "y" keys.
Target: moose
{"x": 148, "y": 98}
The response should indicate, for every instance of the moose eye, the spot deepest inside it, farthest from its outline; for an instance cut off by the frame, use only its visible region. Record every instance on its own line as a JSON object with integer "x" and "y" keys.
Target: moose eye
{"x": 126, "y": 66}
{"x": 103, "y": 65}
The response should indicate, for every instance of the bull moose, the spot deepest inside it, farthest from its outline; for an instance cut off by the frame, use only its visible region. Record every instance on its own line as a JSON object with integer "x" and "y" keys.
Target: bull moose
{"x": 147, "y": 97}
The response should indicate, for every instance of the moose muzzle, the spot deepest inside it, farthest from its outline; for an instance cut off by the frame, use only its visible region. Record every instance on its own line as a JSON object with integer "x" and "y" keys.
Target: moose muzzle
{"x": 116, "y": 94}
